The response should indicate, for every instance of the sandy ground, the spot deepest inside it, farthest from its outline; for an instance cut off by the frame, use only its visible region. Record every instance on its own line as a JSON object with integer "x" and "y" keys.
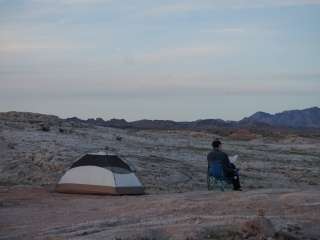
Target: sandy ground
{"x": 279, "y": 176}
{"x": 36, "y": 213}
{"x": 165, "y": 161}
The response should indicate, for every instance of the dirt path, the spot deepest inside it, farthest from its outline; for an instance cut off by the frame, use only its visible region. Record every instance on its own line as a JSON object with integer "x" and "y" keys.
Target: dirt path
{"x": 35, "y": 213}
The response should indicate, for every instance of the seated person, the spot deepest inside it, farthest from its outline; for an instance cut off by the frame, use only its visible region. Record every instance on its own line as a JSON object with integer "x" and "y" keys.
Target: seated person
{"x": 229, "y": 169}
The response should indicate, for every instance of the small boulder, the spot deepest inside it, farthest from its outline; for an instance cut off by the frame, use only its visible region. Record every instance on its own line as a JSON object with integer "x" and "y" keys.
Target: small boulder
{"x": 258, "y": 228}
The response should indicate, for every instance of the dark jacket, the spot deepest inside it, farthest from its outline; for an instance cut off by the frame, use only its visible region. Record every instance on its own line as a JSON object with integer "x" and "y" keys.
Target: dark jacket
{"x": 217, "y": 155}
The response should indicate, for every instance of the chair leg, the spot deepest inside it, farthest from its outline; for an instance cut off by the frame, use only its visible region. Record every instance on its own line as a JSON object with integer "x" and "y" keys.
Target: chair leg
{"x": 222, "y": 186}
{"x": 214, "y": 183}
{"x": 208, "y": 183}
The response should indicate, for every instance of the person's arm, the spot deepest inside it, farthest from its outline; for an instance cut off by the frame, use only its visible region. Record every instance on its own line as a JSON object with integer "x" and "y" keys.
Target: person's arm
{"x": 227, "y": 165}
{"x": 230, "y": 164}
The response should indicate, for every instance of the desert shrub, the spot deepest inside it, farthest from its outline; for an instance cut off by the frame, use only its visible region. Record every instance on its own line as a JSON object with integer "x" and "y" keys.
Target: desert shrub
{"x": 44, "y": 127}
{"x": 12, "y": 145}
{"x": 221, "y": 234}
{"x": 65, "y": 130}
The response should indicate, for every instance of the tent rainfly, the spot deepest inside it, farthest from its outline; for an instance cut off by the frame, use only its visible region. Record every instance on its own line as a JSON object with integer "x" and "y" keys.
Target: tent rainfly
{"x": 100, "y": 173}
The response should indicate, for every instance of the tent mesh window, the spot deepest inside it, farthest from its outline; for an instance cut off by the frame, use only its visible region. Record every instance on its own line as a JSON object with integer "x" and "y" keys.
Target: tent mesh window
{"x": 111, "y": 162}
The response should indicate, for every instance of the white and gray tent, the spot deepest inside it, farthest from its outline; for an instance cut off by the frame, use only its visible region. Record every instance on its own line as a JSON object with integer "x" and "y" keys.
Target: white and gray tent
{"x": 100, "y": 173}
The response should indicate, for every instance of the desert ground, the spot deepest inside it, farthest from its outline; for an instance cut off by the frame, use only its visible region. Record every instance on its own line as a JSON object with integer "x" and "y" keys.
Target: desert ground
{"x": 280, "y": 197}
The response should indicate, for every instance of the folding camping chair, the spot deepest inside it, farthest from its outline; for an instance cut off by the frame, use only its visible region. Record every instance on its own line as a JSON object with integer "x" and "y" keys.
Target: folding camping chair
{"x": 216, "y": 178}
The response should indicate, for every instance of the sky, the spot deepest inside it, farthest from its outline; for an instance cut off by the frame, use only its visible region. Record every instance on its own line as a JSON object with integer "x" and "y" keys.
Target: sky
{"x": 142, "y": 59}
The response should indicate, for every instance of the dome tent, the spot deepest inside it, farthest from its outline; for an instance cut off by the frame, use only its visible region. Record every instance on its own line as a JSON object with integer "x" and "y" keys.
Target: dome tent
{"x": 100, "y": 173}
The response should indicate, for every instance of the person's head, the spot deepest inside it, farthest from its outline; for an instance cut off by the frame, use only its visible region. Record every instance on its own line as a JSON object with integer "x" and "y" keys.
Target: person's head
{"x": 216, "y": 144}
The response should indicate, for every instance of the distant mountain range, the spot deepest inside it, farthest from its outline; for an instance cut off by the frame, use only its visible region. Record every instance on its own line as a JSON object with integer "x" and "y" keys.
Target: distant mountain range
{"x": 295, "y": 119}
{"x": 306, "y": 118}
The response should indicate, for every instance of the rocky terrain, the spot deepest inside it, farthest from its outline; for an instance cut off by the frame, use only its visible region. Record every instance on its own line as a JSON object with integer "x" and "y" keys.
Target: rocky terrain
{"x": 279, "y": 174}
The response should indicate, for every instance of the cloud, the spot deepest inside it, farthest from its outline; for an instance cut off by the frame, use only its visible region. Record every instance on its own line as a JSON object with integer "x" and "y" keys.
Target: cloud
{"x": 194, "y": 6}
{"x": 225, "y": 30}
{"x": 31, "y": 46}
{"x": 22, "y": 47}
{"x": 161, "y": 88}
{"x": 73, "y": 2}
{"x": 177, "y": 8}
{"x": 271, "y": 3}
{"x": 167, "y": 54}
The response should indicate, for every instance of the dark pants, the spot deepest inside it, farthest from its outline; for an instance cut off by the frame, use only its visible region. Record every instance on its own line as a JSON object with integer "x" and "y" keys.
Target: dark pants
{"x": 236, "y": 182}
{"x": 233, "y": 177}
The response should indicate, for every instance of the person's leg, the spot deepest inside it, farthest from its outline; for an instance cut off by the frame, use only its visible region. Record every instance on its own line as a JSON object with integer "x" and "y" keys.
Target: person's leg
{"x": 236, "y": 181}
{"x": 233, "y": 177}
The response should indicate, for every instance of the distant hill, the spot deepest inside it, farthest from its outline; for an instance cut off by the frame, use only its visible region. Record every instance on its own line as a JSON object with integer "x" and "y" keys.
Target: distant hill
{"x": 306, "y": 118}
{"x": 161, "y": 124}
{"x": 295, "y": 119}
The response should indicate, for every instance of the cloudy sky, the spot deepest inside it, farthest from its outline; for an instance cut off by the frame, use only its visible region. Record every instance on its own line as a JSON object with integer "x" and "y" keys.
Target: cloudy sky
{"x": 180, "y": 60}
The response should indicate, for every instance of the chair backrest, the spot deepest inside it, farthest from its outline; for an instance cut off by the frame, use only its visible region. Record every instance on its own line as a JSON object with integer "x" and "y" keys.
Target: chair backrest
{"x": 216, "y": 170}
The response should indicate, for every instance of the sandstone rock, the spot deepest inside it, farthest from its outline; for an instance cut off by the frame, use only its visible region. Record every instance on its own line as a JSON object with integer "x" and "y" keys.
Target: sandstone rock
{"x": 260, "y": 228}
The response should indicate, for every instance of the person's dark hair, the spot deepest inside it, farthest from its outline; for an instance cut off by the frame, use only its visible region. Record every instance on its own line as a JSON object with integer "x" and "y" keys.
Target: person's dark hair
{"x": 216, "y": 143}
